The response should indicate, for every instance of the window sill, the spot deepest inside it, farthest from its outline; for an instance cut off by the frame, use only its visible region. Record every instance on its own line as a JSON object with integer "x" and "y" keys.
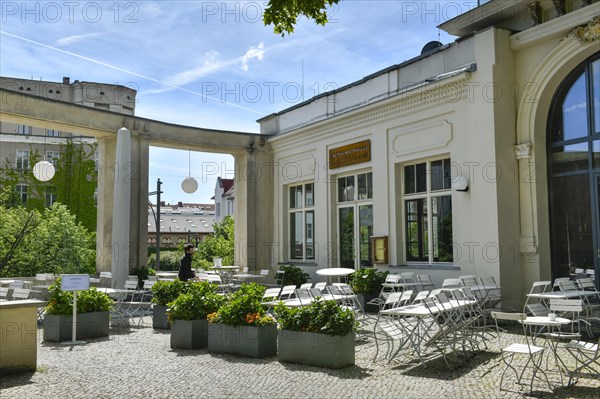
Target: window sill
{"x": 297, "y": 263}
{"x": 425, "y": 266}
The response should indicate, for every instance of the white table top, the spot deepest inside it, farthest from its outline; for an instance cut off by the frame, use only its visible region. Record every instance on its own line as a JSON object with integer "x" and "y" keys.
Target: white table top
{"x": 246, "y": 275}
{"x": 561, "y": 294}
{"x": 545, "y": 321}
{"x": 225, "y": 267}
{"x": 420, "y": 310}
{"x": 335, "y": 271}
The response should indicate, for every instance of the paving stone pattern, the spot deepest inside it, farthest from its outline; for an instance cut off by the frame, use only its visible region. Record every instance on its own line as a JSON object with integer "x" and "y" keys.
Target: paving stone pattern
{"x": 139, "y": 363}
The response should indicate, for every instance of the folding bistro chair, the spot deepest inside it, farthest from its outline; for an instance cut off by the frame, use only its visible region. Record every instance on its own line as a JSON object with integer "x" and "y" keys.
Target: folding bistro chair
{"x": 533, "y": 353}
{"x": 270, "y": 295}
{"x": 587, "y": 359}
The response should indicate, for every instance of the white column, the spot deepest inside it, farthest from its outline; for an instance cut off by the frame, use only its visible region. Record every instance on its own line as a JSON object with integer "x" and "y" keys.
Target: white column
{"x": 121, "y": 210}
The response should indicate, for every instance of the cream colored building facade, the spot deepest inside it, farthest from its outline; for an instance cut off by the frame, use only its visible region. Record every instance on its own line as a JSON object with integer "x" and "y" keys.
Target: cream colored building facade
{"x": 478, "y": 109}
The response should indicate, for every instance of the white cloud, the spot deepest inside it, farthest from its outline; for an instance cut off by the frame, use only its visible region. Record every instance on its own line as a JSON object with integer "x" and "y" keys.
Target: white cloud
{"x": 257, "y": 53}
{"x": 67, "y": 41}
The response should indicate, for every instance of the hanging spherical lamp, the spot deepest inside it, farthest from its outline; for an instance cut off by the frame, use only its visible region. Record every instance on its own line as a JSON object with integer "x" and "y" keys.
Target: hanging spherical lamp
{"x": 43, "y": 171}
{"x": 189, "y": 185}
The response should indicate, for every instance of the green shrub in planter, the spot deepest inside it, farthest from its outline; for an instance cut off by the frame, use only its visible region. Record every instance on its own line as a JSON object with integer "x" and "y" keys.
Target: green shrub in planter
{"x": 200, "y": 300}
{"x": 61, "y": 302}
{"x": 164, "y": 292}
{"x": 367, "y": 281}
{"x": 322, "y": 317}
{"x": 243, "y": 308}
{"x": 293, "y": 276}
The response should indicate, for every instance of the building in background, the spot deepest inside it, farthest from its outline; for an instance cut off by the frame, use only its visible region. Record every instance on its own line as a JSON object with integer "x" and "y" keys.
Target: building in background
{"x": 224, "y": 198}
{"x": 181, "y": 223}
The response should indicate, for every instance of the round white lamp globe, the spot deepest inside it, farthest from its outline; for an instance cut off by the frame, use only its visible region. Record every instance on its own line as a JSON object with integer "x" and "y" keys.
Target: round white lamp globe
{"x": 43, "y": 171}
{"x": 189, "y": 185}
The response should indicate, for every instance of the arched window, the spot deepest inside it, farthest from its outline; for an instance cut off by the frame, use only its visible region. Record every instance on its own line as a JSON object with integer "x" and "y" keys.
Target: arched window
{"x": 574, "y": 170}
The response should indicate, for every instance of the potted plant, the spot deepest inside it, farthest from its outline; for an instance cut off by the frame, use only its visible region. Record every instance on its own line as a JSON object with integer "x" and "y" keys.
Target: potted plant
{"x": 242, "y": 326}
{"x": 292, "y": 275}
{"x": 187, "y": 315}
{"x": 164, "y": 292}
{"x": 366, "y": 284}
{"x": 93, "y": 314}
{"x": 321, "y": 334}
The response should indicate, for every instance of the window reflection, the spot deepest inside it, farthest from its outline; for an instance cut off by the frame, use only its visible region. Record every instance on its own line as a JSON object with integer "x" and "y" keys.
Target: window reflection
{"x": 574, "y": 111}
{"x": 570, "y": 158}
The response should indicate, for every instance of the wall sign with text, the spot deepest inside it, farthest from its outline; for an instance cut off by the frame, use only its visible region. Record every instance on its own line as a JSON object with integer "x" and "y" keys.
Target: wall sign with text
{"x": 350, "y": 154}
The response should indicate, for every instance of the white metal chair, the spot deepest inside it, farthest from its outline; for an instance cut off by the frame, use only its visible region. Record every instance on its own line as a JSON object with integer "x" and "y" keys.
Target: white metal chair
{"x": 425, "y": 281}
{"x": 587, "y": 358}
{"x": 287, "y": 292}
{"x": 3, "y": 293}
{"x": 321, "y": 285}
{"x": 533, "y": 353}
{"x": 536, "y": 307}
{"x": 306, "y": 286}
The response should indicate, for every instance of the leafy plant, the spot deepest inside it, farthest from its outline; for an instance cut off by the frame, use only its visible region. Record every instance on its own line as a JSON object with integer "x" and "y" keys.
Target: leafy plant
{"x": 61, "y": 302}
{"x": 367, "y": 281}
{"x": 243, "y": 308}
{"x": 293, "y": 275}
{"x": 322, "y": 317}
{"x": 164, "y": 292}
{"x": 200, "y": 300}
{"x": 169, "y": 260}
{"x": 218, "y": 245}
{"x": 142, "y": 273}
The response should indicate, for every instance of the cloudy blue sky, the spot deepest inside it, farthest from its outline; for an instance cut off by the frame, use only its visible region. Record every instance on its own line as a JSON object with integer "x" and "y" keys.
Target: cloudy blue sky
{"x": 211, "y": 64}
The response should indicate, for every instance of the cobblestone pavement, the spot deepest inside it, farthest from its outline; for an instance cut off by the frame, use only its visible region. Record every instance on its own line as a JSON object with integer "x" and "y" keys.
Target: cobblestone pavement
{"x": 139, "y": 363}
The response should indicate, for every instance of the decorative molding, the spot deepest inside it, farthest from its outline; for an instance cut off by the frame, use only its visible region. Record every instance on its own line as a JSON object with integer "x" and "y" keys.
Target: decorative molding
{"x": 421, "y": 138}
{"x": 588, "y": 33}
{"x": 523, "y": 151}
{"x": 559, "y": 6}
{"x": 432, "y": 95}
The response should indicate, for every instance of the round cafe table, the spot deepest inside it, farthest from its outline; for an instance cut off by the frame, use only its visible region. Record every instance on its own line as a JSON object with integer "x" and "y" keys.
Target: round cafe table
{"x": 335, "y": 272}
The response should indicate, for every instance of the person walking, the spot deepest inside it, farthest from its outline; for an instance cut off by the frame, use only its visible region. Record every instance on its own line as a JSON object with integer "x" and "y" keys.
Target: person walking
{"x": 185, "y": 264}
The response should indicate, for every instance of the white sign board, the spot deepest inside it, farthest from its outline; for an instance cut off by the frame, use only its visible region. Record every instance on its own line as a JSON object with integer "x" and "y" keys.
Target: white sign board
{"x": 75, "y": 282}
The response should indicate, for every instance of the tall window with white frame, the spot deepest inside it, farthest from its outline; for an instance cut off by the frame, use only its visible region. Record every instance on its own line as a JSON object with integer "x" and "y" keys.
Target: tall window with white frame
{"x": 50, "y": 195}
{"x": 22, "y": 192}
{"x": 52, "y": 157}
{"x": 355, "y": 219}
{"x": 22, "y": 161}
{"x": 428, "y": 211}
{"x": 302, "y": 222}
{"x": 23, "y": 129}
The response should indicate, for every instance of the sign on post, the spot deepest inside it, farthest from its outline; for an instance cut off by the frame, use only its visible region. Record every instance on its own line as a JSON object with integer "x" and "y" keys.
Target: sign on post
{"x": 75, "y": 282}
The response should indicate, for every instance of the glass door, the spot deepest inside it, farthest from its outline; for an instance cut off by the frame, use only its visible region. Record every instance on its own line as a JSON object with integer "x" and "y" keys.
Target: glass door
{"x": 346, "y": 234}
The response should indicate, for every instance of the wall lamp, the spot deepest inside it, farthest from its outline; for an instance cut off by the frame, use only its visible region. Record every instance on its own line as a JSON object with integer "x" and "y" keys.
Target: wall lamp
{"x": 460, "y": 183}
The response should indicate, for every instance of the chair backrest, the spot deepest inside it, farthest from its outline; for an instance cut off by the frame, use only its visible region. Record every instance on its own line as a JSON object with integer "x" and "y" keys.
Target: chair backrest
{"x": 566, "y": 305}
{"x": 346, "y": 289}
{"x": 408, "y": 277}
{"x": 16, "y": 284}
{"x": 434, "y": 292}
{"x": 153, "y": 278}
{"x": 537, "y": 309}
{"x": 392, "y": 300}
{"x": 271, "y": 293}
{"x": 306, "y": 286}
{"x": 468, "y": 281}
{"x": 405, "y": 297}
{"x": 539, "y": 287}
{"x": 392, "y": 278}
{"x": 425, "y": 280}
{"x": 264, "y": 272}
{"x": 420, "y": 296}
{"x": 3, "y": 292}
{"x": 314, "y": 292}
{"x": 287, "y": 291}
{"x": 558, "y": 281}
{"x": 131, "y": 285}
{"x": 568, "y": 285}
{"x": 303, "y": 295}
{"x": 148, "y": 284}
{"x": 451, "y": 283}
{"x": 20, "y": 293}
{"x": 508, "y": 316}
{"x": 132, "y": 277}
{"x": 321, "y": 285}
{"x": 586, "y": 284}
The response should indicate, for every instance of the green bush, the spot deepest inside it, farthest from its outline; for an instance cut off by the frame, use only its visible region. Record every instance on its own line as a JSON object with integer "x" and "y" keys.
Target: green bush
{"x": 142, "y": 273}
{"x": 243, "y": 308}
{"x": 322, "y": 317}
{"x": 61, "y": 302}
{"x": 164, "y": 292}
{"x": 169, "y": 260}
{"x": 200, "y": 300}
{"x": 367, "y": 281}
{"x": 293, "y": 276}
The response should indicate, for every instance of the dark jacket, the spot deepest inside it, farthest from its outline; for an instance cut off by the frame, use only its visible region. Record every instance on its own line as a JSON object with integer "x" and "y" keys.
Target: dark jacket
{"x": 185, "y": 268}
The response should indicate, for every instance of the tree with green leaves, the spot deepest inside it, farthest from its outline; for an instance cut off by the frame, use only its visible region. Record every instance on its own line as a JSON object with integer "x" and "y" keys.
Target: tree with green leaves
{"x": 283, "y": 14}
{"x": 218, "y": 245}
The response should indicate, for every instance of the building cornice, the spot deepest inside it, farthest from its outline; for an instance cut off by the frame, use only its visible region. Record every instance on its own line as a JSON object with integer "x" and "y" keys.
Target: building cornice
{"x": 418, "y": 99}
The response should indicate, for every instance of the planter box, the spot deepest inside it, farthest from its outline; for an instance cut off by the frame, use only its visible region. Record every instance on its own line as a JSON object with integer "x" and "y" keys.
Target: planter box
{"x": 189, "y": 334}
{"x": 363, "y": 299}
{"x": 159, "y": 317}
{"x": 245, "y": 340}
{"x": 313, "y": 349}
{"x": 89, "y": 326}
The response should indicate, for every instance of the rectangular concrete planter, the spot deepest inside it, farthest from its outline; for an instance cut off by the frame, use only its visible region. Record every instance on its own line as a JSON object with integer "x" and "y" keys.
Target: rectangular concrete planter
{"x": 89, "y": 325}
{"x": 245, "y": 340}
{"x": 313, "y": 349}
{"x": 159, "y": 317}
{"x": 189, "y": 334}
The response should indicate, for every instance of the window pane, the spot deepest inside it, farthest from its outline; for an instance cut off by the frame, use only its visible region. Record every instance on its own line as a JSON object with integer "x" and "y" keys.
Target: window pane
{"x": 596, "y": 93}
{"x": 571, "y": 229}
{"x": 308, "y": 197}
{"x": 296, "y": 197}
{"x": 365, "y": 223}
{"x": 437, "y": 175}
{"x": 346, "y": 226}
{"x": 442, "y": 228}
{"x": 447, "y": 174}
{"x": 416, "y": 230}
{"x": 596, "y": 151}
{"x": 309, "y": 231}
{"x": 574, "y": 111}
{"x": 421, "y": 178}
{"x": 296, "y": 235}
{"x": 370, "y": 185}
{"x": 409, "y": 179}
{"x": 569, "y": 158}
{"x": 346, "y": 189}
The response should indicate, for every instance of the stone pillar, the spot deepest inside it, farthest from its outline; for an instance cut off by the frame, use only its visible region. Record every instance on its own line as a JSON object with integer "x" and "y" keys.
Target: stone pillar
{"x": 122, "y": 196}
{"x": 254, "y": 209}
